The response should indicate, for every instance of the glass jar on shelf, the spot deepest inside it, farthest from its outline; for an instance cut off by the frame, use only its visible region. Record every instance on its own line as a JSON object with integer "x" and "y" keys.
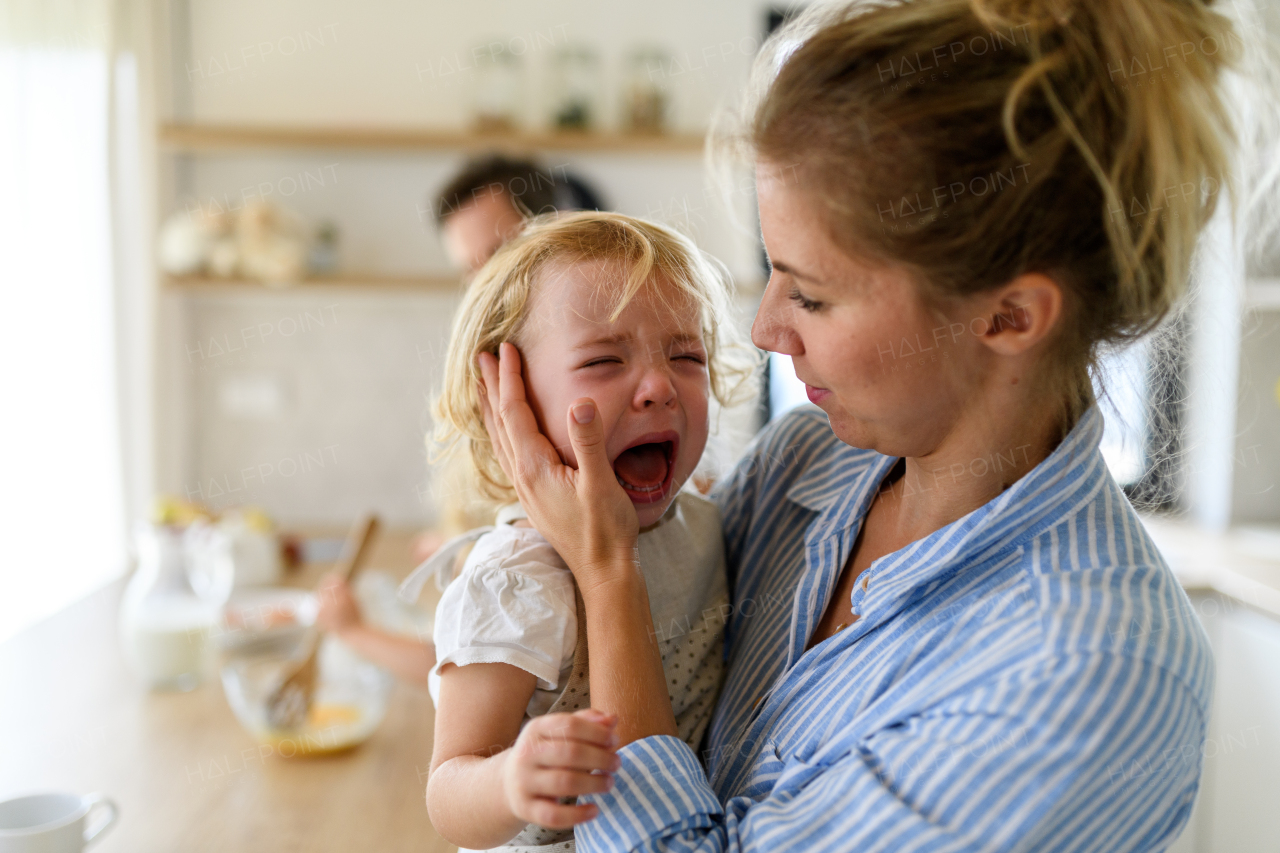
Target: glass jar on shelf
{"x": 644, "y": 95}
{"x": 575, "y": 88}
{"x": 496, "y": 85}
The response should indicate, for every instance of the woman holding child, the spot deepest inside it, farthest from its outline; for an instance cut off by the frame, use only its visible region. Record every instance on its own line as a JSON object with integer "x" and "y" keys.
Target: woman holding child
{"x": 931, "y": 575}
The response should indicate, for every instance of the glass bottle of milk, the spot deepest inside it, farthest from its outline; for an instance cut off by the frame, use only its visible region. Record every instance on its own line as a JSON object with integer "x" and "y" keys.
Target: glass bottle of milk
{"x": 164, "y": 626}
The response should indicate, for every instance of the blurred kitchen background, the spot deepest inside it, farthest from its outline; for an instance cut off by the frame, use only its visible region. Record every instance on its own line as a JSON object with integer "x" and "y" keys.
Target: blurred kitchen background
{"x": 224, "y": 286}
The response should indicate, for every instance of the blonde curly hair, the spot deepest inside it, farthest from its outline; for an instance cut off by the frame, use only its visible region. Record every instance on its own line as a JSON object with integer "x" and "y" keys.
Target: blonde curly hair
{"x": 496, "y": 303}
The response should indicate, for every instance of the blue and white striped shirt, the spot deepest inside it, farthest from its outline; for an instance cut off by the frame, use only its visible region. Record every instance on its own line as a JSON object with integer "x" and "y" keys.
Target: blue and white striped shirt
{"x": 1030, "y": 677}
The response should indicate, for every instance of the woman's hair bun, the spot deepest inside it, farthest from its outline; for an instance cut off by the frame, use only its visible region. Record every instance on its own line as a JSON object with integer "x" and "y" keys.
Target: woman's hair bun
{"x": 974, "y": 140}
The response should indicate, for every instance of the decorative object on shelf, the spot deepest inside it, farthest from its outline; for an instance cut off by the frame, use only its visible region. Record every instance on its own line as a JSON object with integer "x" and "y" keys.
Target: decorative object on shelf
{"x": 644, "y": 98}
{"x": 496, "y": 85}
{"x": 323, "y": 259}
{"x": 224, "y": 256}
{"x": 187, "y": 239}
{"x": 260, "y": 241}
{"x": 575, "y": 88}
{"x": 272, "y": 247}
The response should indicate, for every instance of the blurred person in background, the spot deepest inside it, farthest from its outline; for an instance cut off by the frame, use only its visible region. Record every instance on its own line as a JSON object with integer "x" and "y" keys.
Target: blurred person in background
{"x": 487, "y": 203}
{"x": 483, "y": 206}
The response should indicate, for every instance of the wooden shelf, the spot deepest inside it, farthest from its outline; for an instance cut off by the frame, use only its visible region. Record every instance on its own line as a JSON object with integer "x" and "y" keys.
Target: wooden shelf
{"x": 213, "y": 137}
{"x": 358, "y": 281}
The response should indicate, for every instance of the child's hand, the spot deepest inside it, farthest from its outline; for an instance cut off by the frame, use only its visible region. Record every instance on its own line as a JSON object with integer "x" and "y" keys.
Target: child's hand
{"x": 338, "y": 608}
{"x": 553, "y": 757}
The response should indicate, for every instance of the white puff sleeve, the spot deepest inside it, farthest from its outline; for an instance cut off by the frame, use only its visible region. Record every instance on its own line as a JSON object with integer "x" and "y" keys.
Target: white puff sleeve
{"x": 513, "y": 602}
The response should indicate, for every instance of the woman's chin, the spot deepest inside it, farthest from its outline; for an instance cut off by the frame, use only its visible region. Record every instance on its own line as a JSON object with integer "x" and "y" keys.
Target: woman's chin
{"x": 848, "y": 429}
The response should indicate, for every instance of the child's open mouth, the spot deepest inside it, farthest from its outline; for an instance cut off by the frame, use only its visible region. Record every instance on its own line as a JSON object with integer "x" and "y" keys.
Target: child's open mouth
{"x": 644, "y": 470}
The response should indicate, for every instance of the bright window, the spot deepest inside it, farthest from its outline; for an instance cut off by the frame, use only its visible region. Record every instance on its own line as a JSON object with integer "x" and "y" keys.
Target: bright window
{"x": 61, "y": 502}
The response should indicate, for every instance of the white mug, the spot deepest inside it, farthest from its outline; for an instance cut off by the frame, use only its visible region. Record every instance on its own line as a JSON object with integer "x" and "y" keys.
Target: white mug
{"x": 52, "y": 823}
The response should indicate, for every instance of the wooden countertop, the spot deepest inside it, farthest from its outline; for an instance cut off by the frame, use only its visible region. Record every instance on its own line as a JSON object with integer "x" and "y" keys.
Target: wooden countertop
{"x": 185, "y": 774}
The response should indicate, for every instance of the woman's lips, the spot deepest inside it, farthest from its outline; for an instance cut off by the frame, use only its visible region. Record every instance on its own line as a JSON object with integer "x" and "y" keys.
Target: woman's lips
{"x": 816, "y": 395}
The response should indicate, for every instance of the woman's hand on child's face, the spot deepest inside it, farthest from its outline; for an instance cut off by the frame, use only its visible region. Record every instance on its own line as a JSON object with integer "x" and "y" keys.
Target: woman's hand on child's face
{"x": 555, "y": 756}
{"x": 338, "y": 608}
{"x": 584, "y": 513}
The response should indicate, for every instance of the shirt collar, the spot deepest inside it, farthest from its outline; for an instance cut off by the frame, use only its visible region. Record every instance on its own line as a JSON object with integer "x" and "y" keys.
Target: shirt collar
{"x": 840, "y": 490}
{"x": 826, "y": 480}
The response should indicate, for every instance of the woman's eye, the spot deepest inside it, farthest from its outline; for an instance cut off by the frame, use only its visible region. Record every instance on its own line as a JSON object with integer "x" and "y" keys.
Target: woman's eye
{"x": 805, "y": 303}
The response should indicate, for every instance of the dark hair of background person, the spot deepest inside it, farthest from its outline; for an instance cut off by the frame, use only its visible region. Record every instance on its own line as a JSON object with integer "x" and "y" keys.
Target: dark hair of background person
{"x": 532, "y": 189}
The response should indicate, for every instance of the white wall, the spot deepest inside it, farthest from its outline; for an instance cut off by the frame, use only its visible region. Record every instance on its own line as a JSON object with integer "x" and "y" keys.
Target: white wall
{"x": 407, "y": 63}
{"x": 361, "y": 383}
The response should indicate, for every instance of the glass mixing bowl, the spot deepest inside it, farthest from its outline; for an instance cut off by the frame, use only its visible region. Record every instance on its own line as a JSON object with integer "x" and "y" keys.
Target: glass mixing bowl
{"x": 351, "y": 694}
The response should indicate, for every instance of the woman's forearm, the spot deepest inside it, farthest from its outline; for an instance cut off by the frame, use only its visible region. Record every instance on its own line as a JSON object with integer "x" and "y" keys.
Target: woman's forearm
{"x": 626, "y": 663}
{"x": 466, "y": 802}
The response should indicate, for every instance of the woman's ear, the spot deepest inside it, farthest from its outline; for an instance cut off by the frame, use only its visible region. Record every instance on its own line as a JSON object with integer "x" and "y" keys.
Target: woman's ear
{"x": 1022, "y": 313}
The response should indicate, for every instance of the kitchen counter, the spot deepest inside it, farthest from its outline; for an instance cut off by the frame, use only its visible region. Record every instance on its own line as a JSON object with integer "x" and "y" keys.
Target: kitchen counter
{"x": 1243, "y": 564}
{"x": 188, "y": 777}
{"x": 185, "y": 774}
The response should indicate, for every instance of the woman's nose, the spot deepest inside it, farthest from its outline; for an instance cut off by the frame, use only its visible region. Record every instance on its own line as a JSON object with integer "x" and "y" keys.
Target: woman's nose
{"x": 771, "y": 329}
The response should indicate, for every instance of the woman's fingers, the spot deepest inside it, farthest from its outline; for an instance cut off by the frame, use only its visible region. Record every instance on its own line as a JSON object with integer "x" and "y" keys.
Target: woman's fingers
{"x": 586, "y": 433}
{"x": 527, "y": 447}
{"x": 489, "y": 406}
{"x": 518, "y": 443}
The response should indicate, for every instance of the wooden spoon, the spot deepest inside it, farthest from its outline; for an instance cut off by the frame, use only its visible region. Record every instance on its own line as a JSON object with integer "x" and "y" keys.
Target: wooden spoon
{"x": 288, "y": 704}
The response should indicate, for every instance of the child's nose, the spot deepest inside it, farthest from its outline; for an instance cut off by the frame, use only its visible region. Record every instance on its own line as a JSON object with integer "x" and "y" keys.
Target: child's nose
{"x": 656, "y": 388}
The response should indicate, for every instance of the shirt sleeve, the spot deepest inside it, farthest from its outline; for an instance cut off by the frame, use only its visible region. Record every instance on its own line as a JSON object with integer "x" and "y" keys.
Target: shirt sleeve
{"x": 499, "y": 612}
{"x": 1102, "y": 755}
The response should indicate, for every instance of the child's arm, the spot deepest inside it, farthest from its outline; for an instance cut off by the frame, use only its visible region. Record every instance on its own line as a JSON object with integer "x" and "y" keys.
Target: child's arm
{"x": 489, "y": 778}
{"x": 339, "y": 614}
